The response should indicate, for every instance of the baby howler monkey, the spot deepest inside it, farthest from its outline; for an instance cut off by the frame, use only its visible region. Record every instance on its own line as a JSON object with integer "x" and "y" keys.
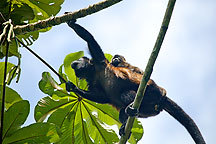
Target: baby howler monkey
{"x": 120, "y": 61}
{"x": 116, "y": 85}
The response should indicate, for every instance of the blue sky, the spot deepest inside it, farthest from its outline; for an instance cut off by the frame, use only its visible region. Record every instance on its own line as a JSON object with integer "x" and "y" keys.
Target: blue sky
{"x": 186, "y": 65}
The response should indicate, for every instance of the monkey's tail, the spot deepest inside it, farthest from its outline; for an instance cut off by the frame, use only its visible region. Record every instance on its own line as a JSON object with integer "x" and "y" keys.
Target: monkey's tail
{"x": 178, "y": 113}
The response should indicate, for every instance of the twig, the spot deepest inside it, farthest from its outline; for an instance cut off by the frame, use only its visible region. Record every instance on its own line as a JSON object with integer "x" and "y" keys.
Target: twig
{"x": 149, "y": 68}
{"x": 64, "y": 18}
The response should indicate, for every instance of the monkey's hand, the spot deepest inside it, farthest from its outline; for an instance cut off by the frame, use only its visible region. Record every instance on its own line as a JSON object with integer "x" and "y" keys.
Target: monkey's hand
{"x": 130, "y": 111}
{"x": 71, "y": 22}
{"x": 70, "y": 87}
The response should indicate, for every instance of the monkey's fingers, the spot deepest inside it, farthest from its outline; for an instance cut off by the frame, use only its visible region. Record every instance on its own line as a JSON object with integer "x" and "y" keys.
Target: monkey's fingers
{"x": 71, "y": 22}
{"x": 70, "y": 86}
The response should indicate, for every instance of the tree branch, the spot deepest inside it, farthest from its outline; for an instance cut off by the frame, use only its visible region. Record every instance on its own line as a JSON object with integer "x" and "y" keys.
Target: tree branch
{"x": 21, "y": 29}
{"x": 149, "y": 68}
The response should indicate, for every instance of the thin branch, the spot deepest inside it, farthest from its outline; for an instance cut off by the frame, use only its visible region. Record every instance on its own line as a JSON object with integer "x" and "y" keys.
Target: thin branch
{"x": 5, "y": 74}
{"x": 149, "y": 68}
{"x": 42, "y": 60}
{"x": 4, "y": 93}
{"x": 21, "y": 29}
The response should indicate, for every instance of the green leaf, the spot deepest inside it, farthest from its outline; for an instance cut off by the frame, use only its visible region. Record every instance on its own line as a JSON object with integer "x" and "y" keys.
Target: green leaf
{"x": 10, "y": 67}
{"x": 11, "y": 96}
{"x": 47, "y": 105}
{"x": 102, "y": 132}
{"x": 33, "y": 134}
{"x": 81, "y": 132}
{"x": 106, "y": 113}
{"x": 137, "y": 132}
{"x": 67, "y": 125}
{"x": 51, "y": 7}
{"x": 62, "y": 74}
{"x": 15, "y": 116}
{"x": 13, "y": 49}
{"x": 20, "y": 11}
{"x": 108, "y": 56}
{"x": 48, "y": 85}
{"x": 59, "y": 116}
{"x": 67, "y": 64}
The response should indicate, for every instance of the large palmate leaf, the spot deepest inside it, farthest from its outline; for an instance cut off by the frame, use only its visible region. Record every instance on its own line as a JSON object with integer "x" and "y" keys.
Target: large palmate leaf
{"x": 36, "y": 133}
{"x": 80, "y": 120}
{"x": 15, "y": 116}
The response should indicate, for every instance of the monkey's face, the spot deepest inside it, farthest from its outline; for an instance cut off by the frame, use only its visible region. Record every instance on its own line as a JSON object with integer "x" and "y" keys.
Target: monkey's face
{"x": 117, "y": 59}
{"x": 83, "y": 68}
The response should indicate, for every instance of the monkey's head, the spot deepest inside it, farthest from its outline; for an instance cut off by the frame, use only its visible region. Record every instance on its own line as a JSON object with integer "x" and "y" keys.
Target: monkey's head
{"x": 117, "y": 59}
{"x": 83, "y": 67}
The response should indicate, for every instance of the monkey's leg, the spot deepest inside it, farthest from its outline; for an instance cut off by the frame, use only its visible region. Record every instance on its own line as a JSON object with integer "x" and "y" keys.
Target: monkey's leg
{"x": 127, "y": 98}
{"x": 123, "y": 119}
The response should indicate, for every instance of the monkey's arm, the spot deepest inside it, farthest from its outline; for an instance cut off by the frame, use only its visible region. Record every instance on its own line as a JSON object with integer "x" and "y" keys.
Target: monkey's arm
{"x": 178, "y": 113}
{"x": 93, "y": 95}
{"x": 94, "y": 48}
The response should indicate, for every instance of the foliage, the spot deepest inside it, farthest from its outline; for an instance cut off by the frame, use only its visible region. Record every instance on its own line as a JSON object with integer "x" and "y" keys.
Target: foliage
{"x": 15, "y": 117}
{"x": 26, "y": 12}
{"x": 70, "y": 118}
{"x": 80, "y": 120}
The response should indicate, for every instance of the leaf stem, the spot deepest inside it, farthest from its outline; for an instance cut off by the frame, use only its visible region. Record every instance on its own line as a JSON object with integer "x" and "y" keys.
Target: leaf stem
{"x": 149, "y": 68}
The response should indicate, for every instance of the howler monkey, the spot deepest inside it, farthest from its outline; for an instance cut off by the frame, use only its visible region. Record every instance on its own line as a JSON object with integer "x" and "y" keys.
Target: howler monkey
{"x": 117, "y": 86}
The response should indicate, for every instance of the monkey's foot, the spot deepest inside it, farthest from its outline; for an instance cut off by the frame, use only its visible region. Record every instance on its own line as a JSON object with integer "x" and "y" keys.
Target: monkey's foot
{"x": 130, "y": 111}
{"x": 122, "y": 130}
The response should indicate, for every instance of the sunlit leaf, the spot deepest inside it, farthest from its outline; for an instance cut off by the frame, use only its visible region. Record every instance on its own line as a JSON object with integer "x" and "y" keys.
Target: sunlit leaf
{"x": 15, "y": 116}
{"x": 10, "y": 66}
{"x": 104, "y": 134}
{"x": 67, "y": 64}
{"x": 11, "y": 96}
{"x": 47, "y": 105}
{"x": 67, "y": 125}
{"x": 59, "y": 116}
{"x": 106, "y": 113}
{"x": 137, "y": 132}
{"x": 34, "y": 134}
{"x": 51, "y": 7}
{"x": 108, "y": 57}
{"x": 62, "y": 74}
{"x": 48, "y": 85}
